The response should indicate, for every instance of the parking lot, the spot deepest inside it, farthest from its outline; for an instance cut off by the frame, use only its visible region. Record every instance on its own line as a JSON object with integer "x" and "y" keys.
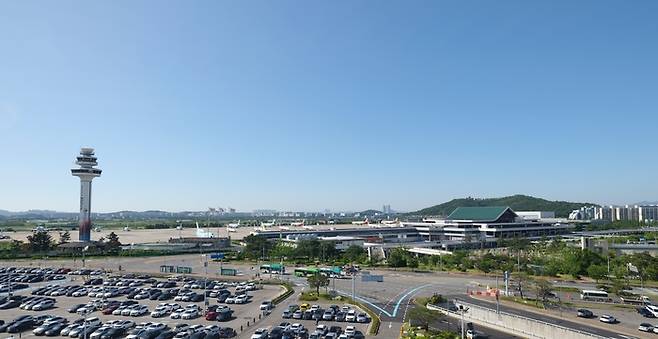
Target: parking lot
{"x": 289, "y": 316}
{"x": 137, "y": 299}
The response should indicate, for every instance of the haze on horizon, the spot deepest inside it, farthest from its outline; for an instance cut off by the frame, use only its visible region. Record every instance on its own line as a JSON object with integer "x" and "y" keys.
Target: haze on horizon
{"x": 335, "y": 105}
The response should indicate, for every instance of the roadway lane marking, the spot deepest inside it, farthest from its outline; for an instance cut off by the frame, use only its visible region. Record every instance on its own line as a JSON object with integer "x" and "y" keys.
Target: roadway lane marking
{"x": 397, "y": 305}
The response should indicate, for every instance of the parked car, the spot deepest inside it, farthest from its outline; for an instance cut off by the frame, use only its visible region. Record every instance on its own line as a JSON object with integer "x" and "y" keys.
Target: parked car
{"x": 260, "y": 333}
{"x": 585, "y": 313}
{"x": 608, "y": 319}
{"x": 645, "y": 327}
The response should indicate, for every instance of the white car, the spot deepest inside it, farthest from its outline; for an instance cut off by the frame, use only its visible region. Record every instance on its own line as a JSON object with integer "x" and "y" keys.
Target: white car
{"x": 644, "y": 327}
{"x": 351, "y": 316}
{"x": 350, "y": 330}
{"x": 93, "y": 321}
{"x": 176, "y": 314}
{"x": 44, "y": 305}
{"x": 125, "y": 324}
{"x": 241, "y": 299}
{"x": 85, "y": 310}
{"x": 296, "y": 327}
{"x": 128, "y": 309}
{"x": 159, "y": 312}
{"x": 189, "y": 314}
{"x": 156, "y": 326}
{"x": 608, "y": 319}
{"x": 260, "y": 333}
{"x": 266, "y": 305}
{"x": 139, "y": 310}
{"x": 119, "y": 310}
{"x": 230, "y": 300}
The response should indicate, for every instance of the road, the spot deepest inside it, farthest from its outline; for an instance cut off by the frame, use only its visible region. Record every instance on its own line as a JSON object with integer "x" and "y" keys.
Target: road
{"x": 608, "y": 333}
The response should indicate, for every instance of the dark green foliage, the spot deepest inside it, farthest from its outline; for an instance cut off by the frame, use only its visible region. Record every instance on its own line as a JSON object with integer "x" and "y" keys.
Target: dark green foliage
{"x": 64, "y": 237}
{"x": 113, "y": 245}
{"x": 40, "y": 241}
{"x": 318, "y": 280}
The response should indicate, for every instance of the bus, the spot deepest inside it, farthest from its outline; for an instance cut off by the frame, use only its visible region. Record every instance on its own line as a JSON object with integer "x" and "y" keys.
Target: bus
{"x": 595, "y": 295}
{"x": 273, "y": 269}
{"x": 306, "y": 271}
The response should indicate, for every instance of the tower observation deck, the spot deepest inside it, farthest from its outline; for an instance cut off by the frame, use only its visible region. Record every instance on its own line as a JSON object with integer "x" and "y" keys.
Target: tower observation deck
{"x": 86, "y": 172}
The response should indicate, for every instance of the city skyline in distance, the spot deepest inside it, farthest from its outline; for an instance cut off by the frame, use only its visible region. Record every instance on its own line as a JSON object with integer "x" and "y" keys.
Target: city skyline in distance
{"x": 327, "y": 106}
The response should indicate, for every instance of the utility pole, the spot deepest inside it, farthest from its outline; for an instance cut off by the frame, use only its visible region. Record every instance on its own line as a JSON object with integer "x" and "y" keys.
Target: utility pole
{"x": 497, "y": 299}
{"x": 461, "y": 309}
{"x": 354, "y": 286}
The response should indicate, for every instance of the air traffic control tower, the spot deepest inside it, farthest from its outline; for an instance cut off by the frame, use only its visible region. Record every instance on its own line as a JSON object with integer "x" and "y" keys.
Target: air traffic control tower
{"x": 86, "y": 173}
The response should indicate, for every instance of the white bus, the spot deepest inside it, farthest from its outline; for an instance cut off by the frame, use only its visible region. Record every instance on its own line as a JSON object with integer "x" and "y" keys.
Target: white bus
{"x": 595, "y": 295}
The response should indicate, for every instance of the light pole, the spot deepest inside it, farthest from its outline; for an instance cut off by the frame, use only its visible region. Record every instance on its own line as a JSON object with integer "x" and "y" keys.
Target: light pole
{"x": 462, "y": 309}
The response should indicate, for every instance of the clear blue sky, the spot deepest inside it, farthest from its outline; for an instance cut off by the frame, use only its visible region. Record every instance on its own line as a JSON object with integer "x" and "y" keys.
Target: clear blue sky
{"x": 298, "y": 105}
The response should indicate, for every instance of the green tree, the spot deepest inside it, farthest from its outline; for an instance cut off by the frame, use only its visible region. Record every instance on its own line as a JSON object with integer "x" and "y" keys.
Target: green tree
{"x": 318, "y": 280}
{"x": 282, "y": 250}
{"x": 355, "y": 254}
{"x": 397, "y": 257}
{"x": 521, "y": 280}
{"x": 597, "y": 272}
{"x": 40, "y": 241}
{"x": 412, "y": 262}
{"x": 64, "y": 237}
{"x": 113, "y": 244}
{"x": 419, "y": 315}
{"x": 256, "y": 247}
{"x": 543, "y": 289}
{"x": 16, "y": 246}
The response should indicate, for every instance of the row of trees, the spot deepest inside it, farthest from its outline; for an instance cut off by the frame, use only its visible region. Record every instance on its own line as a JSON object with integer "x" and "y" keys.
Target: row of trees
{"x": 41, "y": 241}
{"x": 544, "y": 258}
{"x": 303, "y": 250}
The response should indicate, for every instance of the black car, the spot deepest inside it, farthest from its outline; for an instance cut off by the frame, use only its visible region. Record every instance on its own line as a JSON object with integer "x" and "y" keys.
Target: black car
{"x": 584, "y": 313}
{"x": 275, "y": 333}
{"x": 307, "y": 315}
{"x": 644, "y": 312}
{"x": 336, "y": 329}
{"x": 198, "y": 335}
{"x": 340, "y": 316}
{"x": 21, "y": 326}
{"x": 150, "y": 334}
{"x": 227, "y": 332}
{"x": 10, "y": 304}
{"x": 165, "y": 335}
{"x": 55, "y": 330}
{"x": 113, "y": 333}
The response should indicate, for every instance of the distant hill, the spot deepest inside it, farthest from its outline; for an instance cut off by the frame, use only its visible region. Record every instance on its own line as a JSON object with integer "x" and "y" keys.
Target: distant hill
{"x": 516, "y": 202}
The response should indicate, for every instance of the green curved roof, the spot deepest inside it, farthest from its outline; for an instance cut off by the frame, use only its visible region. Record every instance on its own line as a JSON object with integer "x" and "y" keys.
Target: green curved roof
{"x": 478, "y": 213}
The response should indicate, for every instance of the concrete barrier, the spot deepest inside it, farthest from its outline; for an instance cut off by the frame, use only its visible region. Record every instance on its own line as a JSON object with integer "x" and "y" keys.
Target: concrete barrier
{"x": 514, "y": 324}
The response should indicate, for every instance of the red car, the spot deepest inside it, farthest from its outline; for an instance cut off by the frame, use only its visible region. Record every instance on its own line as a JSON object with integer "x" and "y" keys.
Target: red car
{"x": 211, "y": 315}
{"x": 109, "y": 309}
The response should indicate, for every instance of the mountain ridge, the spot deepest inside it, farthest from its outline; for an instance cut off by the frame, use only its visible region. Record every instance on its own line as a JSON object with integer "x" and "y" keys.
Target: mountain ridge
{"x": 518, "y": 202}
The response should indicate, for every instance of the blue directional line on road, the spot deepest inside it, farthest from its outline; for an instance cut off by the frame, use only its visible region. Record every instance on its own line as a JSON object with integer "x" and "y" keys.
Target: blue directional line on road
{"x": 397, "y": 305}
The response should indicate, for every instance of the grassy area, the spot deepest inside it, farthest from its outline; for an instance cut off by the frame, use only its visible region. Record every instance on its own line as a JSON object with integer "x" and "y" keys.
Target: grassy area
{"x": 409, "y": 332}
{"x": 289, "y": 291}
